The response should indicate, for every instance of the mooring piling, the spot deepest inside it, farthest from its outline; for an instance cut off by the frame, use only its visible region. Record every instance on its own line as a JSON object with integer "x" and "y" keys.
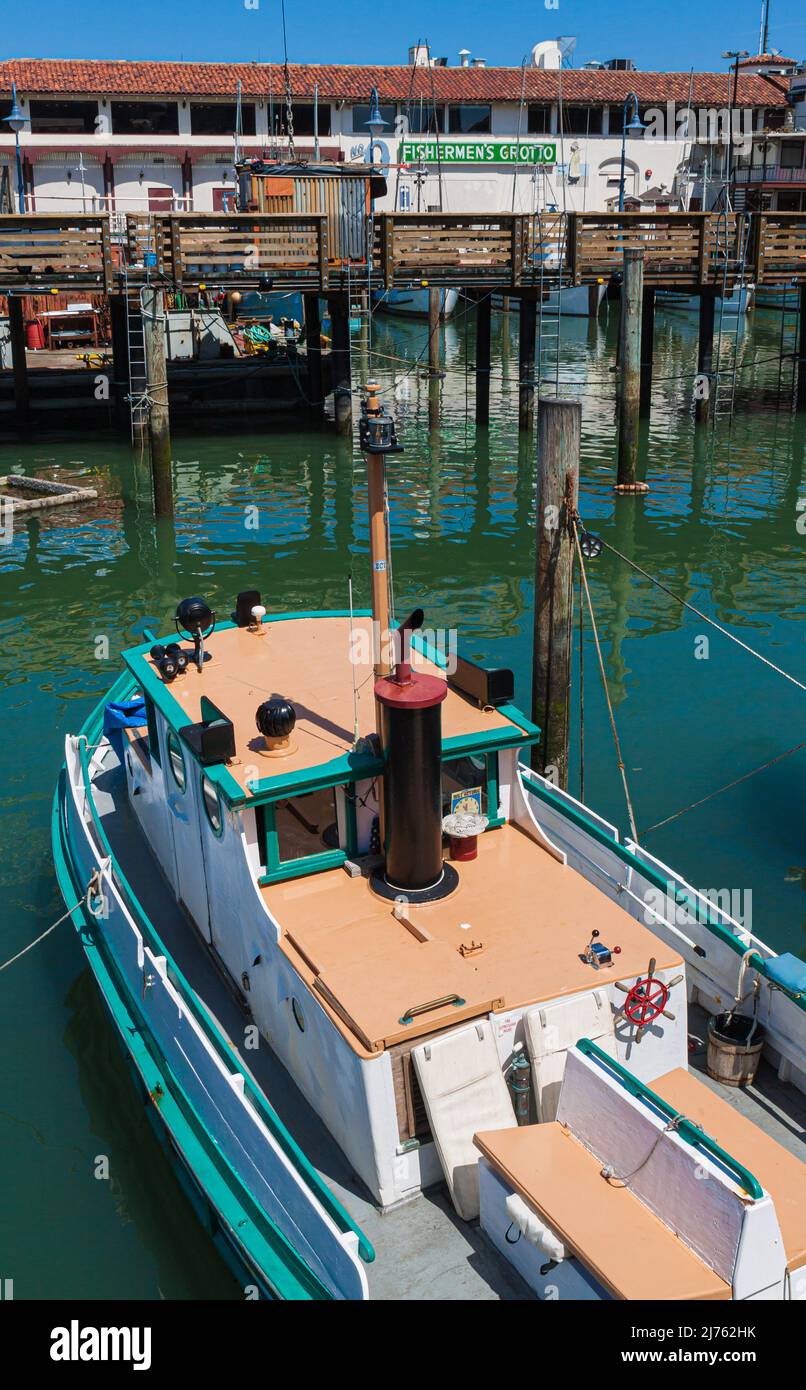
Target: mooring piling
{"x": 19, "y": 366}
{"x": 526, "y": 360}
{"x": 340, "y": 354}
{"x": 313, "y": 344}
{"x": 801, "y": 387}
{"x": 647, "y": 349}
{"x": 705, "y": 354}
{"x": 629, "y": 371}
{"x": 558, "y": 441}
{"x": 483, "y": 326}
{"x": 434, "y": 305}
{"x": 159, "y": 427}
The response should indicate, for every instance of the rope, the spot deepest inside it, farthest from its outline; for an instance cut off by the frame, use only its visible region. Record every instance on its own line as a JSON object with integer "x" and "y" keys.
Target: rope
{"x": 581, "y": 694}
{"x": 622, "y": 1180}
{"x": 727, "y": 787}
{"x": 711, "y": 621}
{"x": 603, "y": 674}
{"x": 86, "y": 899}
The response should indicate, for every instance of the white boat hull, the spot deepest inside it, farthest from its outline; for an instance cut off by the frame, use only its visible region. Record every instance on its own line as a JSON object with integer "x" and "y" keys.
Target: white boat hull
{"x": 414, "y": 303}
{"x": 731, "y": 306}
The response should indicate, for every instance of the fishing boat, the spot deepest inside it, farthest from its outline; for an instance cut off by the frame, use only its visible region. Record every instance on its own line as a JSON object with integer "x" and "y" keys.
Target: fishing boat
{"x": 413, "y": 303}
{"x": 778, "y": 297}
{"x": 411, "y": 1020}
{"x": 573, "y": 301}
{"x": 739, "y": 301}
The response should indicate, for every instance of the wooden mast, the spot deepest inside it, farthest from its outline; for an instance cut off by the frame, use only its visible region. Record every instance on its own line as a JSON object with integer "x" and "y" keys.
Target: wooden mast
{"x": 378, "y": 546}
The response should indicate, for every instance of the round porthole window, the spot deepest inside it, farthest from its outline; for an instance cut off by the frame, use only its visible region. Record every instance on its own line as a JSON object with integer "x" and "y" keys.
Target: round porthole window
{"x": 176, "y": 758}
{"x": 299, "y": 1017}
{"x": 212, "y": 805}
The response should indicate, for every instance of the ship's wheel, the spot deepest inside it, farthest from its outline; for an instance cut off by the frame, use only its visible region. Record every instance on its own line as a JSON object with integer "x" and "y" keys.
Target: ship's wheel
{"x": 646, "y": 1000}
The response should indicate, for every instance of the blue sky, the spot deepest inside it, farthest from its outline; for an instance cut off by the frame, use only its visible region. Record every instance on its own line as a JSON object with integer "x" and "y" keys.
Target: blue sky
{"x": 666, "y": 36}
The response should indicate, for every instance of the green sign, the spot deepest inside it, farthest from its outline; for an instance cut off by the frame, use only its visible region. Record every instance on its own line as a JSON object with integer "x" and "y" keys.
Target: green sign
{"x": 476, "y": 152}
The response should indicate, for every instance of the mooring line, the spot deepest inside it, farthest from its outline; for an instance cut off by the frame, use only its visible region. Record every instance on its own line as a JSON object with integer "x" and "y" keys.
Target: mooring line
{"x": 727, "y": 787}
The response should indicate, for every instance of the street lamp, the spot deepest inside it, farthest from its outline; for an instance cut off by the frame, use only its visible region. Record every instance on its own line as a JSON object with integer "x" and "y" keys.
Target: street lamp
{"x": 16, "y": 120}
{"x": 376, "y": 123}
{"x": 635, "y": 123}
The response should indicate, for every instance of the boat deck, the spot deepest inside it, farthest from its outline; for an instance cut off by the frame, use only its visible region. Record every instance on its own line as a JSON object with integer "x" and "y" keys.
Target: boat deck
{"x": 424, "y": 1251}
{"x": 307, "y": 660}
{"x": 512, "y": 934}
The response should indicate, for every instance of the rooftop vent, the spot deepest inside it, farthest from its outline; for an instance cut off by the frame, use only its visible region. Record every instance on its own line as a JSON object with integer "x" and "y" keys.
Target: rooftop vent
{"x": 620, "y": 65}
{"x": 479, "y": 63}
{"x": 464, "y": 57}
{"x": 419, "y": 56}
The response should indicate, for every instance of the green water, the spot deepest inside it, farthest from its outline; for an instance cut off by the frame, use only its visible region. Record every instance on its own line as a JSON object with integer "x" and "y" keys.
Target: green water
{"x": 719, "y": 525}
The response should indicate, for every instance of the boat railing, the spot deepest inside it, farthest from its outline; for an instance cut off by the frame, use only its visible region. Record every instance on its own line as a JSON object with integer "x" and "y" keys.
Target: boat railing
{"x": 705, "y": 912}
{"x": 87, "y": 739}
{"x": 688, "y": 1130}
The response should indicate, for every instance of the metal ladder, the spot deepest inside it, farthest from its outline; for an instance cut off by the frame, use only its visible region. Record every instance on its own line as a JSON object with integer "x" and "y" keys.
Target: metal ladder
{"x": 136, "y": 358}
{"x": 730, "y": 327}
{"x": 549, "y": 316}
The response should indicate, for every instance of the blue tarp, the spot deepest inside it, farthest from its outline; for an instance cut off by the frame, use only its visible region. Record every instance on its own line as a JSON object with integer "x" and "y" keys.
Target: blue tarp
{"x": 123, "y": 714}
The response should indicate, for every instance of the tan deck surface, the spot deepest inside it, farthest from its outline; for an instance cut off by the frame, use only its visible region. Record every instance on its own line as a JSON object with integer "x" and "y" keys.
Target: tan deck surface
{"x": 531, "y": 916}
{"x": 778, "y": 1171}
{"x": 628, "y": 1249}
{"x": 308, "y": 661}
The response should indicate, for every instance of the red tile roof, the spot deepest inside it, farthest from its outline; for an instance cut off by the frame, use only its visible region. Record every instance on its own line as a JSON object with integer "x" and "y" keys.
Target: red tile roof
{"x": 117, "y": 79}
{"x": 773, "y": 59}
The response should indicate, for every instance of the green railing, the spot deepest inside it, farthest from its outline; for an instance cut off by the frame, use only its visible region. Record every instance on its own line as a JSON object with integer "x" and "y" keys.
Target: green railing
{"x": 344, "y": 1222}
{"x": 633, "y": 861}
{"x": 688, "y": 1131}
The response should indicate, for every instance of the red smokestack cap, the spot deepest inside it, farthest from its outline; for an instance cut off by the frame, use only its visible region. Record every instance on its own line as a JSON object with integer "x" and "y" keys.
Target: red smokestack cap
{"x": 420, "y": 692}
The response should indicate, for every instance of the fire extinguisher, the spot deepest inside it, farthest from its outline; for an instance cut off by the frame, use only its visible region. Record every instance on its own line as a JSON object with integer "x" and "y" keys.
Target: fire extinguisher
{"x": 520, "y": 1084}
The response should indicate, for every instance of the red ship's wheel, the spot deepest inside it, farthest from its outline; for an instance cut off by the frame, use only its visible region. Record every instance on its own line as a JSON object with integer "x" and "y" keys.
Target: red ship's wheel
{"x": 646, "y": 1001}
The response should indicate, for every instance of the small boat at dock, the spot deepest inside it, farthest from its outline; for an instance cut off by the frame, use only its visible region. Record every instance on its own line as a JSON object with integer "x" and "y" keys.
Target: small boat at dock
{"x": 395, "y": 1003}
{"x": 413, "y": 303}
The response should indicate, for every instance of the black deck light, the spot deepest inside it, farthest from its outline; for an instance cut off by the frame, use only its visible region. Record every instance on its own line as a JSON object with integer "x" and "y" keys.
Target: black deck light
{"x": 195, "y": 618}
{"x": 275, "y": 720}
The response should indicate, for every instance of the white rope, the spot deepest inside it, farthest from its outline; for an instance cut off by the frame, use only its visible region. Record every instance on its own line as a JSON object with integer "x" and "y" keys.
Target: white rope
{"x": 68, "y": 913}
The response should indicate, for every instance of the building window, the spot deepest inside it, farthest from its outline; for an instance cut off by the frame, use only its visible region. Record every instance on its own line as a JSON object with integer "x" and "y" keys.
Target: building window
{"x": 792, "y": 154}
{"x": 774, "y": 119}
{"x": 469, "y": 120}
{"x": 424, "y": 118}
{"x": 145, "y": 118}
{"x": 303, "y": 112}
{"x": 539, "y": 120}
{"x": 63, "y": 117}
{"x": 790, "y": 201}
{"x": 218, "y": 118}
{"x": 212, "y": 805}
{"x": 582, "y": 120}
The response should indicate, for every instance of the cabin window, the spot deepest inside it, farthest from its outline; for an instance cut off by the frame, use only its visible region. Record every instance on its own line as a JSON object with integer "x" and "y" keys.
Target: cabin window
{"x": 212, "y": 805}
{"x": 361, "y": 116}
{"x": 469, "y": 120}
{"x": 176, "y": 760}
{"x": 539, "y": 119}
{"x": 63, "y": 117}
{"x": 306, "y": 825}
{"x": 471, "y": 782}
{"x": 151, "y": 724}
{"x": 145, "y": 118}
{"x": 218, "y": 118}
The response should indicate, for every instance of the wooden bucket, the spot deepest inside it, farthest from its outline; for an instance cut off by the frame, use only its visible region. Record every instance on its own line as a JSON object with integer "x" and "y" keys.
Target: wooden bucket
{"x": 730, "y": 1059}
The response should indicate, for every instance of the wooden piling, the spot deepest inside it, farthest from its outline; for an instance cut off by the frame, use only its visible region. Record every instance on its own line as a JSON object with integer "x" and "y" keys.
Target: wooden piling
{"x": 705, "y": 352}
{"x": 342, "y": 374}
{"x": 159, "y": 427}
{"x": 526, "y": 359}
{"x": 313, "y": 347}
{"x": 558, "y": 441}
{"x": 483, "y": 324}
{"x": 629, "y": 371}
{"x": 19, "y": 366}
{"x": 801, "y": 388}
{"x": 647, "y": 349}
{"x": 434, "y": 304}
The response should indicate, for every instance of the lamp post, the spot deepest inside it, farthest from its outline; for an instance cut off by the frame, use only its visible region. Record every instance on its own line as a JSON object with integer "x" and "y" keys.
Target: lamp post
{"x": 635, "y": 123}
{"x": 16, "y": 120}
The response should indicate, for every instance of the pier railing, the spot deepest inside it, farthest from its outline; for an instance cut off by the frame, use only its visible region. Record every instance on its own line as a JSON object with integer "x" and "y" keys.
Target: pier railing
{"x": 508, "y": 251}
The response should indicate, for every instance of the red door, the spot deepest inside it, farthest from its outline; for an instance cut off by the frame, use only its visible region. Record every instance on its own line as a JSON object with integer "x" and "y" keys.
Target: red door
{"x": 223, "y": 200}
